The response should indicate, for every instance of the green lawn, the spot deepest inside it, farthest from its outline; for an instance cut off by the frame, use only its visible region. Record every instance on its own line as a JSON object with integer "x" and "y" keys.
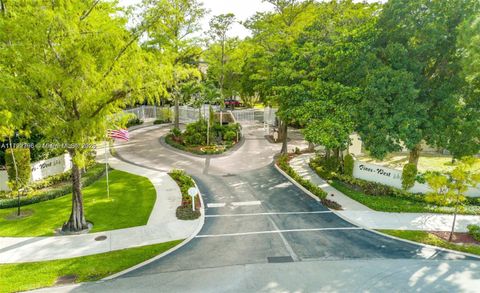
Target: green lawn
{"x": 28, "y": 276}
{"x": 397, "y": 204}
{"x": 131, "y": 201}
{"x": 427, "y": 238}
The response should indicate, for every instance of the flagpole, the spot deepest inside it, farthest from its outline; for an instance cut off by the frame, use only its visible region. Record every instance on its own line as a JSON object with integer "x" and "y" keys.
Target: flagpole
{"x": 106, "y": 168}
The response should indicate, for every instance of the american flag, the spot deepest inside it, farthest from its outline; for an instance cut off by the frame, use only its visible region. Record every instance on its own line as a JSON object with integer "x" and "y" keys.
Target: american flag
{"x": 121, "y": 134}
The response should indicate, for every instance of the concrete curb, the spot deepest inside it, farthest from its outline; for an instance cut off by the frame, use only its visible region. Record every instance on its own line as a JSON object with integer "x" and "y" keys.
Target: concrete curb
{"x": 183, "y": 243}
{"x": 296, "y": 183}
{"x": 372, "y": 230}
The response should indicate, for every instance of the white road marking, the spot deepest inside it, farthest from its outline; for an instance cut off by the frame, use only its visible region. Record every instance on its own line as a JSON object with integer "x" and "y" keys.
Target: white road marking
{"x": 216, "y": 205}
{"x": 289, "y": 248}
{"x": 246, "y": 203}
{"x": 279, "y": 231}
{"x": 268, "y": 214}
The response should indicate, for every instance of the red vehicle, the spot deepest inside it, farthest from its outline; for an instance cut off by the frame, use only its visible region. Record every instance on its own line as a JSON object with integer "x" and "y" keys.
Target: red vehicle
{"x": 232, "y": 103}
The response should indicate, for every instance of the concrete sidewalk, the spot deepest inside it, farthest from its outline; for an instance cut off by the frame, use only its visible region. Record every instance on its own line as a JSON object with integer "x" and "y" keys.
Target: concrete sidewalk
{"x": 366, "y": 217}
{"x": 162, "y": 226}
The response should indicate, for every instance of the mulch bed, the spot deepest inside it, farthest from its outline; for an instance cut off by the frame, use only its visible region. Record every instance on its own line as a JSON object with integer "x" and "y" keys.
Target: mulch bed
{"x": 23, "y": 214}
{"x": 459, "y": 238}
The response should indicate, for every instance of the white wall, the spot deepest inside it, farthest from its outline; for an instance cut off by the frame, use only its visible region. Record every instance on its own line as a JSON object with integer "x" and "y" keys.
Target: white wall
{"x": 393, "y": 177}
{"x": 42, "y": 169}
{"x": 3, "y": 180}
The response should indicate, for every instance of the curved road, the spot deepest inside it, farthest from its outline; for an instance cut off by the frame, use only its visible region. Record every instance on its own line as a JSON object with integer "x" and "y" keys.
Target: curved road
{"x": 262, "y": 233}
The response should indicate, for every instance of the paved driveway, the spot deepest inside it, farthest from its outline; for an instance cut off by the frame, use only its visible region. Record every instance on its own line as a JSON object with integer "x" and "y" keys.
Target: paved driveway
{"x": 261, "y": 230}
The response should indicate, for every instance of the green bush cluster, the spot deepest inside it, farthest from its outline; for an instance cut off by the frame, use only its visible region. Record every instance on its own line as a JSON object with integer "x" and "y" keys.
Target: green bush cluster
{"x": 282, "y": 163}
{"x": 474, "y": 231}
{"x": 409, "y": 176}
{"x": 18, "y": 164}
{"x": 160, "y": 121}
{"x": 195, "y": 135}
{"x": 36, "y": 196}
{"x": 325, "y": 167}
{"x": 133, "y": 122}
{"x": 378, "y": 189}
{"x": 348, "y": 164}
{"x": 185, "y": 182}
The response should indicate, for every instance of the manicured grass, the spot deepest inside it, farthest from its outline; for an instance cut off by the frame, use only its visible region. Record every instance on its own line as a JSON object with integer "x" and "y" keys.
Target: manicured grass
{"x": 130, "y": 204}
{"x": 427, "y": 162}
{"x": 427, "y": 238}
{"x": 397, "y": 204}
{"x": 28, "y": 276}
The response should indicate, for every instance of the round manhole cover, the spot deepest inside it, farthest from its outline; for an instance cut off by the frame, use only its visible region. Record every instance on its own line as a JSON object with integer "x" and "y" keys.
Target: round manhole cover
{"x": 101, "y": 238}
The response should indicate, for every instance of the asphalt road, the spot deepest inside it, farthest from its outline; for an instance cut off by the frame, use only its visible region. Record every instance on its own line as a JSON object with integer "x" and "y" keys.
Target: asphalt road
{"x": 262, "y": 222}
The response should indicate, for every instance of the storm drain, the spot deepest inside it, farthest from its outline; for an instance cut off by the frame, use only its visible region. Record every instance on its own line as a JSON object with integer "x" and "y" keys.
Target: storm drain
{"x": 101, "y": 238}
{"x": 279, "y": 259}
{"x": 228, "y": 175}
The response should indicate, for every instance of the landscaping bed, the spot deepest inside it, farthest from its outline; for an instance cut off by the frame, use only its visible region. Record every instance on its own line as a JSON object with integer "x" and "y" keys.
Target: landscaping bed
{"x": 185, "y": 210}
{"x": 435, "y": 239}
{"x": 283, "y": 163}
{"x": 29, "y": 276}
{"x": 381, "y": 197}
{"x": 194, "y": 139}
{"x": 131, "y": 201}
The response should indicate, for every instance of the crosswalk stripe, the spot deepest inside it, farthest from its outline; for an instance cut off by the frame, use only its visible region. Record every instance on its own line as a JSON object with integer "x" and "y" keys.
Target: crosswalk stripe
{"x": 277, "y": 231}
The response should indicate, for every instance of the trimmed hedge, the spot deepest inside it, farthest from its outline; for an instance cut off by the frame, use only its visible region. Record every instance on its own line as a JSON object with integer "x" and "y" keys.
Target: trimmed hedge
{"x": 409, "y": 175}
{"x": 348, "y": 164}
{"x": 92, "y": 175}
{"x": 282, "y": 163}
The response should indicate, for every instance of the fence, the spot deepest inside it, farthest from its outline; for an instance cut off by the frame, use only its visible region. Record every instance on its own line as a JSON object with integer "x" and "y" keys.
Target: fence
{"x": 244, "y": 116}
{"x": 189, "y": 114}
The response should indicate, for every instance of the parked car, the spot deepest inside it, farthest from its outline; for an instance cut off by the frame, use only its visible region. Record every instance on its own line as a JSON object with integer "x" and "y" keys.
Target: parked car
{"x": 232, "y": 103}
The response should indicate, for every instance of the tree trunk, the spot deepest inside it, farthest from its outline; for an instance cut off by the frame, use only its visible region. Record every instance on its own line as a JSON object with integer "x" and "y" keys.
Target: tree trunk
{"x": 327, "y": 153}
{"x": 177, "y": 114}
{"x": 283, "y": 135}
{"x": 311, "y": 147}
{"x": 453, "y": 225}
{"x": 414, "y": 155}
{"x": 77, "y": 221}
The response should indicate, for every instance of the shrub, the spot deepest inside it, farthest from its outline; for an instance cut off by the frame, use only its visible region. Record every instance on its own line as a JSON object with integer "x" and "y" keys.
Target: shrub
{"x": 195, "y": 139}
{"x": 409, "y": 174}
{"x": 133, "y": 122}
{"x": 348, "y": 164}
{"x": 20, "y": 159}
{"x": 230, "y": 136}
{"x": 474, "y": 231}
{"x": 160, "y": 121}
{"x": 176, "y": 132}
{"x": 282, "y": 163}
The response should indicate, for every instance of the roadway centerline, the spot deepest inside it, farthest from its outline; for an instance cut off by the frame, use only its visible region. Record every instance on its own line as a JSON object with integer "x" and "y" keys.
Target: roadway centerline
{"x": 268, "y": 214}
{"x": 278, "y": 231}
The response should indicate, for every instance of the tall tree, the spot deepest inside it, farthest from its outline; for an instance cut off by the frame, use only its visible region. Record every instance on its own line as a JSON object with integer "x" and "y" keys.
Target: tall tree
{"x": 76, "y": 64}
{"x": 174, "y": 35}
{"x": 417, "y": 74}
{"x": 219, "y": 27}
{"x": 274, "y": 32}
